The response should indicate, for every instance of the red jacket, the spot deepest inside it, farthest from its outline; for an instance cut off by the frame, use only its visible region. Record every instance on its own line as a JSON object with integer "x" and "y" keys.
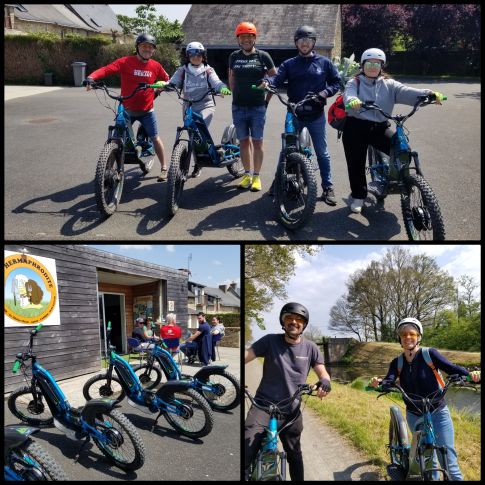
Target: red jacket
{"x": 170, "y": 331}
{"x": 132, "y": 72}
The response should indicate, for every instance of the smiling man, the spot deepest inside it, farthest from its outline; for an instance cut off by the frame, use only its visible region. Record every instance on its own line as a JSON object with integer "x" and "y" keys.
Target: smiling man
{"x": 288, "y": 359}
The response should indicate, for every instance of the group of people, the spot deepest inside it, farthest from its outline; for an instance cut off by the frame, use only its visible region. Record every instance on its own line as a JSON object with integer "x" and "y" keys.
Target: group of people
{"x": 288, "y": 358}
{"x": 306, "y": 72}
{"x": 200, "y": 345}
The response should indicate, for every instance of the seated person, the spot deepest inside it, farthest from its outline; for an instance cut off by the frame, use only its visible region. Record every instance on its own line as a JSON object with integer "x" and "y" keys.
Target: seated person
{"x": 217, "y": 332}
{"x": 171, "y": 330}
{"x": 140, "y": 333}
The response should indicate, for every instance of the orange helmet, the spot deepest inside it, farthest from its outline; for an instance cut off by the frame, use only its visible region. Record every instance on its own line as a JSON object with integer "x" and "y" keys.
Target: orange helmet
{"x": 246, "y": 28}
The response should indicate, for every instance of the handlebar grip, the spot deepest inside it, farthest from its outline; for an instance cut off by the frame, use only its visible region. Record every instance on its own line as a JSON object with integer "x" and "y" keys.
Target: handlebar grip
{"x": 253, "y": 86}
{"x": 109, "y": 326}
{"x": 371, "y": 388}
{"x": 16, "y": 366}
{"x": 39, "y": 326}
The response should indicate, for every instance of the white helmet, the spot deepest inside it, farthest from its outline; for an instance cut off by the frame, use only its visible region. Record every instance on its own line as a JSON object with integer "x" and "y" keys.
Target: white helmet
{"x": 195, "y": 48}
{"x": 410, "y": 321}
{"x": 373, "y": 53}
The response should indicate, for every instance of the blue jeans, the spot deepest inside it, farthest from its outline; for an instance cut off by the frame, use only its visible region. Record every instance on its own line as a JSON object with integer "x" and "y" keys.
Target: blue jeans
{"x": 318, "y": 134}
{"x": 249, "y": 121}
{"x": 445, "y": 436}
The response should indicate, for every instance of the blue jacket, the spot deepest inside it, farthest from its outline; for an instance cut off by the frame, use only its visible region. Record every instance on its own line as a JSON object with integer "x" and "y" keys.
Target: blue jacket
{"x": 306, "y": 74}
{"x": 418, "y": 379}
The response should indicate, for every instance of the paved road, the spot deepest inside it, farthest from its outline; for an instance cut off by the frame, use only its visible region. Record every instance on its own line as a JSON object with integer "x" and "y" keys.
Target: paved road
{"x": 326, "y": 455}
{"x": 53, "y": 140}
{"x": 169, "y": 456}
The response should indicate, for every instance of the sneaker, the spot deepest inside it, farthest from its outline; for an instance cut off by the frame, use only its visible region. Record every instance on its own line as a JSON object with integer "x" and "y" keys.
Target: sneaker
{"x": 256, "y": 185}
{"x": 328, "y": 196}
{"x": 196, "y": 172}
{"x": 356, "y": 205}
{"x": 245, "y": 182}
{"x": 163, "y": 175}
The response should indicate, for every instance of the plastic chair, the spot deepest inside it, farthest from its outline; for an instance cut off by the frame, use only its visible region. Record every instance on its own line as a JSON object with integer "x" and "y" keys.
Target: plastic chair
{"x": 133, "y": 343}
{"x": 216, "y": 341}
{"x": 173, "y": 345}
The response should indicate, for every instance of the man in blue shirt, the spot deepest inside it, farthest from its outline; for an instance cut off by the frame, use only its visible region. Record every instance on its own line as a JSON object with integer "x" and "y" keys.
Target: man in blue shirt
{"x": 311, "y": 72}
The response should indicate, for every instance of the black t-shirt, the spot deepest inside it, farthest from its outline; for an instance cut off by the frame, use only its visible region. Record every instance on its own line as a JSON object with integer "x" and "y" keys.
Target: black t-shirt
{"x": 139, "y": 334}
{"x": 248, "y": 70}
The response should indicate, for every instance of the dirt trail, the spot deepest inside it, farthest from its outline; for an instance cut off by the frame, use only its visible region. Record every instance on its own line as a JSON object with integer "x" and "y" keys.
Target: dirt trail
{"x": 326, "y": 455}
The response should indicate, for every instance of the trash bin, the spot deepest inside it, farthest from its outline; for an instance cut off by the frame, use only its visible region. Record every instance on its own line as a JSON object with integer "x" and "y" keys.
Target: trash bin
{"x": 79, "y": 69}
{"x": 48, "y": 78}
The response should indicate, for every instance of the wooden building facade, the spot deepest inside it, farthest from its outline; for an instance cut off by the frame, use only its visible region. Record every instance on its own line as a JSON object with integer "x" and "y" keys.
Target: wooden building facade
{"x": 94, "y": 287}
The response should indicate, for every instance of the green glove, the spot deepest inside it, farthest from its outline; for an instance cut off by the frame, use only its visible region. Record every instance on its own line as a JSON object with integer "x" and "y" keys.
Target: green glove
{"x": 225, "y": 91}
{"x": 356, "y": 103}
{"x": 159, "y": 85}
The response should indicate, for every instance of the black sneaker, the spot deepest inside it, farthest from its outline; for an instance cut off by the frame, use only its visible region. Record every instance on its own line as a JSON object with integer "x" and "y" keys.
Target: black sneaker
{"x": 328, "y": 196}
{"x": 196, "y": 172}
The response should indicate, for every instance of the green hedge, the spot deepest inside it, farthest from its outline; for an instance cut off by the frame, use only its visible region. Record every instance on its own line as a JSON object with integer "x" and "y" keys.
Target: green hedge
{"x": 28, "y": 57}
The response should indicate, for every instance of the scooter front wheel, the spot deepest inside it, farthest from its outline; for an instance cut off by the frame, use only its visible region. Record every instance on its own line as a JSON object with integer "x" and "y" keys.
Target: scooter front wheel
{"x": 28, "y": 409}
{"x": 177, "y": 175}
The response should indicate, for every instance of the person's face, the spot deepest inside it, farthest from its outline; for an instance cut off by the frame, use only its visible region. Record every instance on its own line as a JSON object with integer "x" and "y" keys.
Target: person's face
{"x": 214, "y": 321}
{"x": 293, "y": 324}
{"x": 196, "y": 59}
{"x": 409, "y": 336}
{"x": 372, "y": 67}
{"x": 246, "y": 41}
{"x": 200, "y": 318}
{"x": 146, "y": 50}
{"x": 305, "y": 45}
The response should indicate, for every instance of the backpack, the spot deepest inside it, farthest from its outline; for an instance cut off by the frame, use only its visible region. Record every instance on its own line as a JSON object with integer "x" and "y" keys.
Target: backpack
{"x": 427, "y": 358}
{"x": 337, "y": 114}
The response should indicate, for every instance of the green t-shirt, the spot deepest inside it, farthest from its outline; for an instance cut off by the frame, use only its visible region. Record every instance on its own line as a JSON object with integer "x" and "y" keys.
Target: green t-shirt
{"x": 248, "y": 70}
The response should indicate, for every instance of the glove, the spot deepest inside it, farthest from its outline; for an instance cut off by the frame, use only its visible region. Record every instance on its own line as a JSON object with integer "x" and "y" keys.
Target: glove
{"x": 356, "y": 103}
{"x": 160, "y": 84}
{"x": 325, "y": 385}
{"x": 88, "y": 82}
{"x": 225, "y": 91}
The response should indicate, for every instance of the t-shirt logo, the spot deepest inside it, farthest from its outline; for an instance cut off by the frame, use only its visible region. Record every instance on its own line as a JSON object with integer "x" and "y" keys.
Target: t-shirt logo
{"x": 139, "y": 72}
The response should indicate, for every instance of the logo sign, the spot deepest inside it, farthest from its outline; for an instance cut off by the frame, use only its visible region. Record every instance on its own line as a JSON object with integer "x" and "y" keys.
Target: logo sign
{"x": 31, "y": 293}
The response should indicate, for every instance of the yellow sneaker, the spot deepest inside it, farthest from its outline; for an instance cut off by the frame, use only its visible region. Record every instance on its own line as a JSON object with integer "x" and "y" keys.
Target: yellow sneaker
{"x": 256, "y": 185}
{"x": 245, "y": 182}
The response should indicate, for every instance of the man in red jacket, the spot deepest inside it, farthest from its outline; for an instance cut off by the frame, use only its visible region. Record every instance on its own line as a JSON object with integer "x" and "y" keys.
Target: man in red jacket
{"x": 133, "y": 70}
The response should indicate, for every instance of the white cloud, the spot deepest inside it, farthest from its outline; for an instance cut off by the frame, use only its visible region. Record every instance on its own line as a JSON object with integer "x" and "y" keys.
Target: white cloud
{"x": 432, "y": 250}
{"x": 465, "y": 262}
{"x": 170, "y": 248}
{"x": 129, "y": 247}
{"x": 217, "y": 262}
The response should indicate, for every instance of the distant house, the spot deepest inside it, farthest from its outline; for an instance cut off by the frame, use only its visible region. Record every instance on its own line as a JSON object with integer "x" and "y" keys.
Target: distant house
{"x": 83, "y": 19}
{"x": 201, "y": 298}
{"x": 214, "y": 26}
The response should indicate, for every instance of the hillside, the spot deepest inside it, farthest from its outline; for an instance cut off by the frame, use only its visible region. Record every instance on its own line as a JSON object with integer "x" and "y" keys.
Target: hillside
{"x": 384, "y": 352}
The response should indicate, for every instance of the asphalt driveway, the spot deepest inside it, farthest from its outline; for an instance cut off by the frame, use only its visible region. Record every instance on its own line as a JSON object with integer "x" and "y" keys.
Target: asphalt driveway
{"x": 53, "y": 139}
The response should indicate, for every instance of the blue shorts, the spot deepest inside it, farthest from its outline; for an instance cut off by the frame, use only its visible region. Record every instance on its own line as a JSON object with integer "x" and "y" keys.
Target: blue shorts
{"x": 149, "y": 122}
{"x": 249, "y": 121}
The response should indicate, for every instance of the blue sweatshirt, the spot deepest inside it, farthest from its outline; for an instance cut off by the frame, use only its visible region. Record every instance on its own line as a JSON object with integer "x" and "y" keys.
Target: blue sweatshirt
{"x": 306, "y": 74}
{"x": 418, "y": 379}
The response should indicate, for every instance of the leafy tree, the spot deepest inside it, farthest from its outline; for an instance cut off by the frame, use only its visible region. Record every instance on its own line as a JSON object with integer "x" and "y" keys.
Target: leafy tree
{"x": 313, "y": 333}
{"x": 147, "y": 21}
{"x": 268, "y": 268}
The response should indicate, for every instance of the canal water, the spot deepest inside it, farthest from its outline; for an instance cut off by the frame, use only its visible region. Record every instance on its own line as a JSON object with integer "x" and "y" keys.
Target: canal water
{"x": 460, "y": 398}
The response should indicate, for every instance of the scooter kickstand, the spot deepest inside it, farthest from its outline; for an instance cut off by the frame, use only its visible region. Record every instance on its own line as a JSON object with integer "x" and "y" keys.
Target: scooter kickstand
{"x": 155, "y": 422}
{"x": 88, "y": 438}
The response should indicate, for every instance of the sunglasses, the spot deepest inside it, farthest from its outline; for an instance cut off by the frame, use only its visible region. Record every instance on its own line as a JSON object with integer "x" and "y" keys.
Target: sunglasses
{"x": 409, "y": 334}
{"x": 373, "y": 64}
{"x": 290, "y": 318}
{"x": 195, "y": 52}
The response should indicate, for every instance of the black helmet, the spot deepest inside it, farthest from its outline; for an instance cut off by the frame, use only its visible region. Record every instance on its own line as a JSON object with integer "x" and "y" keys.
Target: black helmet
{"x": 297, "y": 309}
{"x": 147, "y": 38}
{"x": 305, "y": 31}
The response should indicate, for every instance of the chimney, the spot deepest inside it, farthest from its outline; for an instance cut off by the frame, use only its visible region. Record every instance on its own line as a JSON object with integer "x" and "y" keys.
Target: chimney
{"x": 233, "y": 285}
{"x": 224, "y": 288}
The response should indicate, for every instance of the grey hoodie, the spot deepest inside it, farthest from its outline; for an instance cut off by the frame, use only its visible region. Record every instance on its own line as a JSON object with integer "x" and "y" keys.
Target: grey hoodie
{"x": 194, "y": 86}
{"x": 384, "y": 92}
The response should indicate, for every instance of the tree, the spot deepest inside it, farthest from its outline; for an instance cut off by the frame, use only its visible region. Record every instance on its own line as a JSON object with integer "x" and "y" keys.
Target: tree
{"x": 471, "y": 306}
{"x": 268, "y": 268}
{"x": 147, "y": 21}
{"x": 313, "y": 333}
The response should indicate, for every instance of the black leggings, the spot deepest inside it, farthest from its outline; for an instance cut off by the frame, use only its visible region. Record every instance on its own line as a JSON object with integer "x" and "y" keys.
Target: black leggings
{"x": 254, "y": 432}
{"x": 357, "y": 136}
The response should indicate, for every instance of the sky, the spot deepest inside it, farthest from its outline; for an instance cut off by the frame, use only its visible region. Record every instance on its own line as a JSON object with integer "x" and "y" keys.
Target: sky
{"x": 320, "y": 280}
{"x": 171, "y": 12}
{"x": 211, "y": 265}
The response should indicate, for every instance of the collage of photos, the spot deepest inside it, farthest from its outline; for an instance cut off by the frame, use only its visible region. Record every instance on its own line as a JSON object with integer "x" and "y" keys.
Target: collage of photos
{"x": 253, "y": 250}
